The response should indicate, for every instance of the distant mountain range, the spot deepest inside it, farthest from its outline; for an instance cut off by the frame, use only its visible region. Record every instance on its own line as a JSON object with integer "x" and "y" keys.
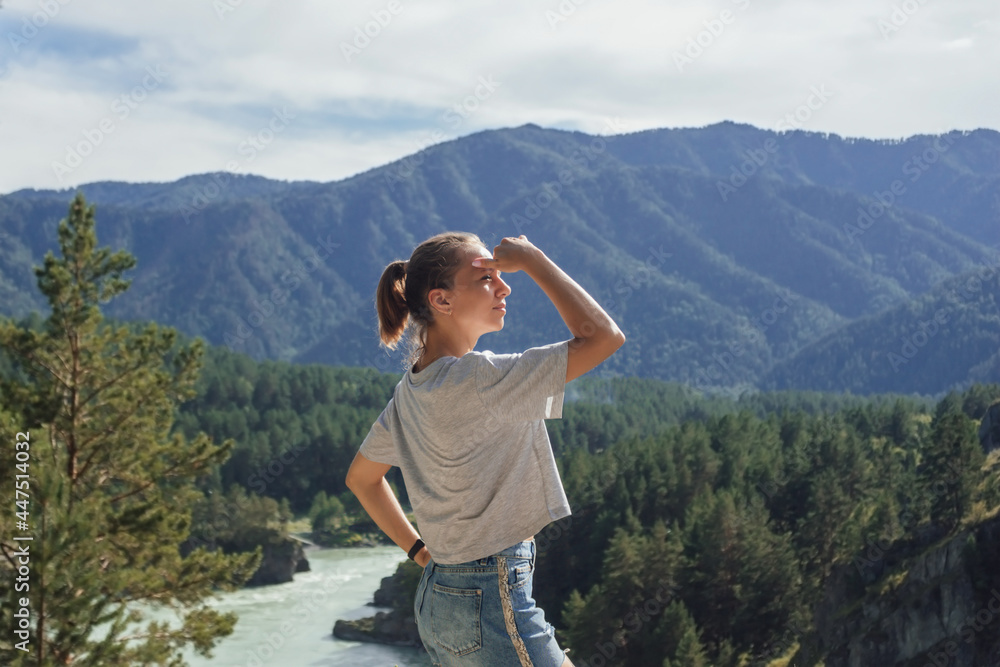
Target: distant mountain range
{"x": 733, "y": 257}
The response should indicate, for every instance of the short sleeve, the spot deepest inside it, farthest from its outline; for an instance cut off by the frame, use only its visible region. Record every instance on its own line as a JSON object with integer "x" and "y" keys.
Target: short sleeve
{"x": 524, "y": 387}
{"x": 377, "y": 445}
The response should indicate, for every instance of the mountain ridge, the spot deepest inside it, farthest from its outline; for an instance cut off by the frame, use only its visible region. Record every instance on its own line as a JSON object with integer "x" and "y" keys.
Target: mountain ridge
{"x": 287, "y": 270}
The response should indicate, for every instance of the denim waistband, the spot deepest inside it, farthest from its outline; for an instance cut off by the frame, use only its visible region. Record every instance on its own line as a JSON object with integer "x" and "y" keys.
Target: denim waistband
{"x": 525, "y": 549}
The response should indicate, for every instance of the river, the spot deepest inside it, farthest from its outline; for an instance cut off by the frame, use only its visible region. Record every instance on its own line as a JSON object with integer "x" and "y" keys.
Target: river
{"x": 291, "y": 625}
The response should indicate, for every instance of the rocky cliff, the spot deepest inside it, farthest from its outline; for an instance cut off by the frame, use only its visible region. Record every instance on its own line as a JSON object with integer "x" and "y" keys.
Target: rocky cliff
{"x": 389, "y": 628}
{"x": 989, "y": 429}
{"x": 281, "y": 559}
{"x": 396, "y": 627}
{"x": 934, "y": 601}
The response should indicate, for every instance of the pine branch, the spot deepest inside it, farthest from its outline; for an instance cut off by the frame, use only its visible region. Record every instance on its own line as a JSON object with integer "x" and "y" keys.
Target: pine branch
{"x": 111, "y": 429}
{"x": 3, "y": 549}
{"x": 112, "y": 381}
{"x": 168, "y": 472}
{"x": 33, "y": 357}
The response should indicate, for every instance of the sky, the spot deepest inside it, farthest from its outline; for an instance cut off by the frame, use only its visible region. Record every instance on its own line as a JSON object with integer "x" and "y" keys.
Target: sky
{"x": 319, "y": 90}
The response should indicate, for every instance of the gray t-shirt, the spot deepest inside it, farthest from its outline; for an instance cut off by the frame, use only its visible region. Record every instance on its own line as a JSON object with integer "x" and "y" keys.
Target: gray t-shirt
{"x": 469, "y": 436}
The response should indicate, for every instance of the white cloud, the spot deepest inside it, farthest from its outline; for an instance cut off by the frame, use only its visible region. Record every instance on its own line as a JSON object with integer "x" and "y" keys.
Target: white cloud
{"x": 925, "y": 72}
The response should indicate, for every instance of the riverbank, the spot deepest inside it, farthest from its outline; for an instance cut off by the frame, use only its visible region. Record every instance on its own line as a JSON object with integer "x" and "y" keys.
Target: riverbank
{"x": 395, "y": 627}
{"x": 291, "y": 624}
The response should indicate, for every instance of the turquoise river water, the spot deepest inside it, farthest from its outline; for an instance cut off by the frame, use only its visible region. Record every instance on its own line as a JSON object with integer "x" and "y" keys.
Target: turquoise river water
{"x": 291, "y": 625}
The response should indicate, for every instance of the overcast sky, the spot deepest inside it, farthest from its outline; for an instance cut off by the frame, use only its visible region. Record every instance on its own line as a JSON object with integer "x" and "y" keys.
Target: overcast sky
{"x": 320, "y": 90}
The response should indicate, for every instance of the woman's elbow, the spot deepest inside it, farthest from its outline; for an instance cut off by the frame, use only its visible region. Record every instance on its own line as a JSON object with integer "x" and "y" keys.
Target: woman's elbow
{"x": 356, "y": 481}
{"x": 612, "y": 340}
{"x": 364, "y": 473}
{"x": 618, "y": 336}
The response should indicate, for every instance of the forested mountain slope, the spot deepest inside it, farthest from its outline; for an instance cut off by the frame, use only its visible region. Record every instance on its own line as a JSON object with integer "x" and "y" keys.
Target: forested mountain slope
{"x": 722, "y": 251}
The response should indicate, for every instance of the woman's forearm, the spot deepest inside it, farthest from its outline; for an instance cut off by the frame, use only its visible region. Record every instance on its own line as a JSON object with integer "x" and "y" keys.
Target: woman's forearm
{"x": 595, "y": 335}
{"x": 376, "y": 496}
{"x": 583, "y": 316}
{"x": 384, "y": 509}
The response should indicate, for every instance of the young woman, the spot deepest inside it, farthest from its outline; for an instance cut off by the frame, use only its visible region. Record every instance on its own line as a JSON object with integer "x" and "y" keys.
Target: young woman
{"x": 467, "y": 431}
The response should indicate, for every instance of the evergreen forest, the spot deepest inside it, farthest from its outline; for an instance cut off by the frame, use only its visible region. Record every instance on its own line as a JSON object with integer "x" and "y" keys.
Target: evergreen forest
{"x": 706, "y": 529}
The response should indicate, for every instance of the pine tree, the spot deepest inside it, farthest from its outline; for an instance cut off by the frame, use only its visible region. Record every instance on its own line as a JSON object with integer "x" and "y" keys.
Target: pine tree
{"x": 949, "y": 471}
{"x": 111, "y": 487}
{"x": 678, "y": 636}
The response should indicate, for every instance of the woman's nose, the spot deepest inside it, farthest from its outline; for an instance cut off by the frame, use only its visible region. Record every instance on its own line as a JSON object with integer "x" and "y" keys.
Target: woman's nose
{"x": 504, "y": 288}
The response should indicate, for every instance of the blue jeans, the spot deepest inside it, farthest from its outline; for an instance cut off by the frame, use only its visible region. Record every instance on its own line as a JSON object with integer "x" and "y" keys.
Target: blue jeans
{"x": 481, "y": 613}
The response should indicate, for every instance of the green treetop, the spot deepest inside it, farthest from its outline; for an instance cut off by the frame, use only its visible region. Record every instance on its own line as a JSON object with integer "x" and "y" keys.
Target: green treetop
{"x": 111, "y": 488}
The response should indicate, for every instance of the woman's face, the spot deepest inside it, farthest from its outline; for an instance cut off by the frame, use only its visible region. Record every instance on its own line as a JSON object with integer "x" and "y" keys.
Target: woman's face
{"x": 477, "y": 295}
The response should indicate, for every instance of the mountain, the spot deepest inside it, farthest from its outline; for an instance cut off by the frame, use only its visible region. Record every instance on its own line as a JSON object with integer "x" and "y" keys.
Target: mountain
{"x": 730, "y": 255}
{"x": 942, "y": 339}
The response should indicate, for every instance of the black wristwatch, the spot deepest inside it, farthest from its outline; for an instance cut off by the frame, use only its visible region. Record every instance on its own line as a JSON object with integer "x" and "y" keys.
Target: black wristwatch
{"x": 415, "y": 549}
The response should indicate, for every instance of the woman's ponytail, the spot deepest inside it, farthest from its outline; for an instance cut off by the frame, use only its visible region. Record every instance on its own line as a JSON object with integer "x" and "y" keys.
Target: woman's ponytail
{"x": 401, "y": 296}
{"x": 391, "y": 304}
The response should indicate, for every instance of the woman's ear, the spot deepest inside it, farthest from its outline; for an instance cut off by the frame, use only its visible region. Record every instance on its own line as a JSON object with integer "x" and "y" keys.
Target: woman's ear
{"x": 438, "y": 300}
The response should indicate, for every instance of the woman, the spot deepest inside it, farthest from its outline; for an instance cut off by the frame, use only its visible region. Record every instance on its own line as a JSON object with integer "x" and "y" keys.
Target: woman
{"x": 467, "y": 431}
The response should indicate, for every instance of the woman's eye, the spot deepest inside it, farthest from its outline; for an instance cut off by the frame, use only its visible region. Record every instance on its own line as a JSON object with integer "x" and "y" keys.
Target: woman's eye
{"x": 487, "y": 278}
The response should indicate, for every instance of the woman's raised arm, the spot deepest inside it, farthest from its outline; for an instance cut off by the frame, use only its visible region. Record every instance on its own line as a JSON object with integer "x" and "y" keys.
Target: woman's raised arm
{"x": 595, "y": 335}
